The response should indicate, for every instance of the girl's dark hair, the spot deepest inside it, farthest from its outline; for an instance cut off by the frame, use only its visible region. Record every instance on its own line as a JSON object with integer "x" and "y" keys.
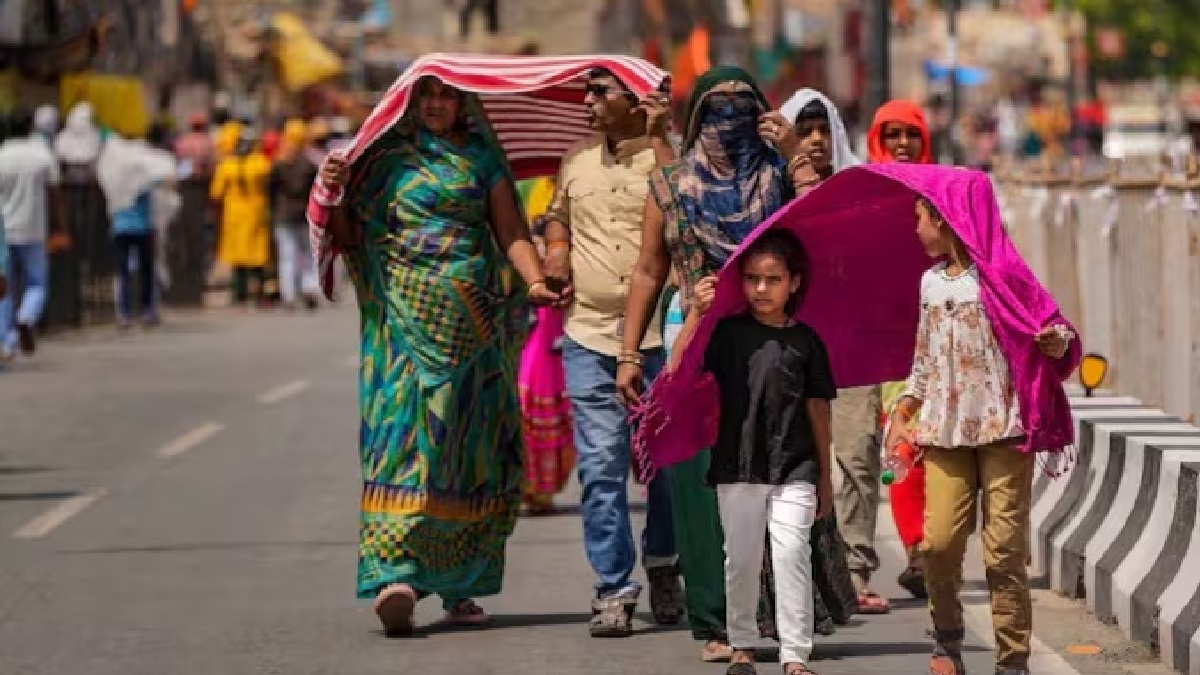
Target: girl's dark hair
{"x": 787, "y": 247}
{"x": 933, "y": 210}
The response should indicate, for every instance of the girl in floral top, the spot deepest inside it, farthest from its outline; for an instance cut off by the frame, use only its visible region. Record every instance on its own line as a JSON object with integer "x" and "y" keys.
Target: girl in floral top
{"x": 971, "y": 433}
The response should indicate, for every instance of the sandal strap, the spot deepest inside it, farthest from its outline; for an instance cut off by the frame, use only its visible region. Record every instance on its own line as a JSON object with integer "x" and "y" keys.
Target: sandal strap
{"x": 467, "y": 606}
{"x": 941, "y": 661}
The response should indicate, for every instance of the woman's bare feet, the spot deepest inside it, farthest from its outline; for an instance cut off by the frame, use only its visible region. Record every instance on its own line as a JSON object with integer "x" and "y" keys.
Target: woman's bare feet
{"x": 716, "y": 650}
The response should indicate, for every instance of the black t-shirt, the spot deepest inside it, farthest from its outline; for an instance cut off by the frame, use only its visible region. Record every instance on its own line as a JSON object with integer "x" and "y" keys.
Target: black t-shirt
{"x": 289, "y": 185}
{"x": 766, "y": 375}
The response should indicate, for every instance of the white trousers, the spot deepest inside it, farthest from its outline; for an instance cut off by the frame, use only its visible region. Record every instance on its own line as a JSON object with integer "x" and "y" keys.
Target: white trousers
{"x": 295, "y": 263}
{"x": 787, "y": 513}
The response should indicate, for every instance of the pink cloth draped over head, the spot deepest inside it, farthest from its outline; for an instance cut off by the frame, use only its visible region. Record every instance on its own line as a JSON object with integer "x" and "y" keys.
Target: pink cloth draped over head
{"x": 864, "y": 301}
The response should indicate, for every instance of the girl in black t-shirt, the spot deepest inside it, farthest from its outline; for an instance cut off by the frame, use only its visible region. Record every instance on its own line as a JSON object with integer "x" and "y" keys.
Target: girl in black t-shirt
{"x": 771, "y": 464}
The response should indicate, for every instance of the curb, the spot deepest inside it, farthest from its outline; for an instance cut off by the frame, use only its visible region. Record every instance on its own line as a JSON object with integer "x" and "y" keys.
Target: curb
{"x": 1121, "y": 530}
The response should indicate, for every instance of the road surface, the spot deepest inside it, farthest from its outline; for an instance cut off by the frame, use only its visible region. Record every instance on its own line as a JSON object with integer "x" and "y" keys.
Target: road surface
{"x": 184, "y": 501}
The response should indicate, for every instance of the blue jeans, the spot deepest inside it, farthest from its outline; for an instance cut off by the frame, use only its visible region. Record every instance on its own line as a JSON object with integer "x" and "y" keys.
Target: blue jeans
{"x": 32, "y": 261}
{"x": 602, "y": 441}
{"x": 126, "y": 248}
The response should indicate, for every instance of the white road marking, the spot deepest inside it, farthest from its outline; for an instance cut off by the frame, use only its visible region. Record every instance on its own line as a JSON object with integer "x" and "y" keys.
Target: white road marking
{"x": 283, "y": 392}
{"x": 191, "y": 439}
{"x": 64, "y": 511}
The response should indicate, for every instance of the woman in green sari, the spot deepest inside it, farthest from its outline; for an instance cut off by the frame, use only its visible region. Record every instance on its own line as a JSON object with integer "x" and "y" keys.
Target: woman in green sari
{"x": 443, "y": 269}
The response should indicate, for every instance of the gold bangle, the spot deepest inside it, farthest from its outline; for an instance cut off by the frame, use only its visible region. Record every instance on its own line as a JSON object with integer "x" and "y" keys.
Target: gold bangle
{"x": 634, "y": 357}
{"x": 539, "y": 282}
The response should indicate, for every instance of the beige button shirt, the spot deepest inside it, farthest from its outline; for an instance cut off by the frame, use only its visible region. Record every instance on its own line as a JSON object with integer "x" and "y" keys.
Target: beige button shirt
{"x": 601, "y": 198}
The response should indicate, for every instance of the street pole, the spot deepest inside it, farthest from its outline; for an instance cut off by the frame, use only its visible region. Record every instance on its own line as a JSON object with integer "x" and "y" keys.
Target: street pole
{"x": 952, "y": 64}
{"x": 878, "y": 57}
{"x": 1072, "y": 83}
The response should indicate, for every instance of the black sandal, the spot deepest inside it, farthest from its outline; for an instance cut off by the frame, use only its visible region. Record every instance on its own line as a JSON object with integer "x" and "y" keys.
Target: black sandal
{"x": 742, "y": 668}
{"x": 912, "y": 580}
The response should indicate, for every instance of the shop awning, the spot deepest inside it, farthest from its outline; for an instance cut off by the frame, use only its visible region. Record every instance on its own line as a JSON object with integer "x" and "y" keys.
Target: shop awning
{"x": 301, "y": 59}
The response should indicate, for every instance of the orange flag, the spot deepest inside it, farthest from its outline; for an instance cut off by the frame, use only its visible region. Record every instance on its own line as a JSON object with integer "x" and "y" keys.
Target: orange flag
{"x": 691, "y": 62}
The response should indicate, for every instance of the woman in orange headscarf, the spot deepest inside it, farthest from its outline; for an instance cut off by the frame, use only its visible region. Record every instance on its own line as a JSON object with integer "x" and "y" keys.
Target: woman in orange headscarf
{"x": 899, "y": 133}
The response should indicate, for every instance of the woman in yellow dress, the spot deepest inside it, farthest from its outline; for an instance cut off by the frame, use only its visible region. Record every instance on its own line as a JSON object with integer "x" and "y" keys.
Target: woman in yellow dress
{"x": 239, "y": 186}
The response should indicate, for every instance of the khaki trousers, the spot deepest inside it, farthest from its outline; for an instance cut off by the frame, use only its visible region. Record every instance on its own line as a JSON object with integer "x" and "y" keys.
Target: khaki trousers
{"x": 998, "y": 478}
{"x": 856, "y": 451}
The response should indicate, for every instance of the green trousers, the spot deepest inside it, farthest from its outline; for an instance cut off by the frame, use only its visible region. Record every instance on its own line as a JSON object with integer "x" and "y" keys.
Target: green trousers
{"x": 700, "y": 543}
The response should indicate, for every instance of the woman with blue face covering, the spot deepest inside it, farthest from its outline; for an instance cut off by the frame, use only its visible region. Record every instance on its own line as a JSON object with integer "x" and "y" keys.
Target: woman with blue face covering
{"x": 740, "y": 163}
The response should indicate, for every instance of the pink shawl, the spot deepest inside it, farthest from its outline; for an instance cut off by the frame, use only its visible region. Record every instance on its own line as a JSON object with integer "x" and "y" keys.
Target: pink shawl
{"x": 864, "y": 298}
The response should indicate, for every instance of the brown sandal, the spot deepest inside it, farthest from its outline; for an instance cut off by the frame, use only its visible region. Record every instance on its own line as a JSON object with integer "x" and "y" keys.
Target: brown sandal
{"x": 467, "y": 613}
{"x": 394, "y": 606}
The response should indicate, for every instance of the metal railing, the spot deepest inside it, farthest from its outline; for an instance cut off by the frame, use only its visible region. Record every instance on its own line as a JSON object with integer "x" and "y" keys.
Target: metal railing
{"x": 1119, "y": 247}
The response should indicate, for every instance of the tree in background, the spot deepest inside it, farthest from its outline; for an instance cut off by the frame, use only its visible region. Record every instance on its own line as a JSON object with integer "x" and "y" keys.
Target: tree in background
{"x": 1160, "y": 36}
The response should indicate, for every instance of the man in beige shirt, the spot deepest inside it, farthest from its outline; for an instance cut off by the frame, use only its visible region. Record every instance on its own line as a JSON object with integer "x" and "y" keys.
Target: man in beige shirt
{"x": 593, "y": 234}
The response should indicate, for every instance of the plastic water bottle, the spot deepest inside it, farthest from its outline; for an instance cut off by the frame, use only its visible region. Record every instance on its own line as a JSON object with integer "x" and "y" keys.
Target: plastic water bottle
{"x": 898, "y": 462}
{"x": 673, "y": 321}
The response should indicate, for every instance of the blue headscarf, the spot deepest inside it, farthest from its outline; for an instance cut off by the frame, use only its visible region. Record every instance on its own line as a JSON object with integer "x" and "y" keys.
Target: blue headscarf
{"x": 730, "y": 180}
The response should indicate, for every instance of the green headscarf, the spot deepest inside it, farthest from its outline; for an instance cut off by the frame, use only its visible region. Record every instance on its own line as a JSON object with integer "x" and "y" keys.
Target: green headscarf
{"x": 704, "y": 84}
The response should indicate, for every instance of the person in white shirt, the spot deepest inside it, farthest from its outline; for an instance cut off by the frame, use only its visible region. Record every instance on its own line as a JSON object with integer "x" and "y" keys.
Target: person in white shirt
{"x": 28, "y": 169}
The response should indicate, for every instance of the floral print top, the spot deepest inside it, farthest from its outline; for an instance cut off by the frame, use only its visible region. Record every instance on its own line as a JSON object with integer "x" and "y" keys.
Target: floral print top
{"x": 959, "y": 373}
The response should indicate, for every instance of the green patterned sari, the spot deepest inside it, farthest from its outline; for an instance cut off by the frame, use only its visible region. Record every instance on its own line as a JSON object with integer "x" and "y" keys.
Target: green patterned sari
{"x": 444, "y": 317}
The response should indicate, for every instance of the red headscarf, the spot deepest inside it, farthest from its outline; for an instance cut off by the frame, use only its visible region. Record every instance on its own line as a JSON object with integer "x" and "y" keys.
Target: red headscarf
{"x": 270, "y": 143}
{"x": 904, "y": 112}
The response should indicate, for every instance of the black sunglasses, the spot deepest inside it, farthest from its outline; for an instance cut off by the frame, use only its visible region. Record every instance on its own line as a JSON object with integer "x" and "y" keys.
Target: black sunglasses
{"x": 600, "y": 90}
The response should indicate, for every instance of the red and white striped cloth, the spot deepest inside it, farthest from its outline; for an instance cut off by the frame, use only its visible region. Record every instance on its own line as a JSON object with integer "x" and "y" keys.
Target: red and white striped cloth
{"x": 533, "y": 103}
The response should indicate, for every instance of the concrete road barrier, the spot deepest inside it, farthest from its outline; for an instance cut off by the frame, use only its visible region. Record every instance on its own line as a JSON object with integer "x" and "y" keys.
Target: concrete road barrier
{"x": 1120, "y": 528}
